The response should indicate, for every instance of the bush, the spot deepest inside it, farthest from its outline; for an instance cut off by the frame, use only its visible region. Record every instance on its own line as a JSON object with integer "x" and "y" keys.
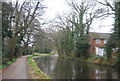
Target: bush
{"x": 82, "y": 47}
{"x": 6, "y": 62}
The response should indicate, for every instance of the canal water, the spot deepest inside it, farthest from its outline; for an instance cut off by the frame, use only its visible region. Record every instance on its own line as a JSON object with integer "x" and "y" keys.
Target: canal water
{"x": 59, "y": 68}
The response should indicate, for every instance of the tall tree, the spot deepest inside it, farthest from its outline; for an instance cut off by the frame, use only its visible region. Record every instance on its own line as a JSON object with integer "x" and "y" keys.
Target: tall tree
{"x": 24, "y": 16}
{"x": 7, "y": 16}
{"x": 117, "y": 27}
{"x": 83, "y": 14}
{"x": 115, "y": 37}
{"x": 74, "y": 28}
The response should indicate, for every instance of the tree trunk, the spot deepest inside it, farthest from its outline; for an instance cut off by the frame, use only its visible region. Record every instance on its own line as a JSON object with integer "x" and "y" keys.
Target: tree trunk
{"x": 21, "y": 51}
{"x": 3, "y": 46}
{"x": 12, "y": 47}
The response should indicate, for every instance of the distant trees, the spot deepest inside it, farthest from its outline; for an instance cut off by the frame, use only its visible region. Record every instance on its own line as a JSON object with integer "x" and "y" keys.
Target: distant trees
{"x": 42, "y": 42}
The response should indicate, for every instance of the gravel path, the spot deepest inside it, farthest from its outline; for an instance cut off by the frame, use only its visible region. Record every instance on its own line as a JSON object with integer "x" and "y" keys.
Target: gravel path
{"x": 17, "y": 70}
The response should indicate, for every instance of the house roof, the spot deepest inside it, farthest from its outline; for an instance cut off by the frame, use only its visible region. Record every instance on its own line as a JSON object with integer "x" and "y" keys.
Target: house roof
{"x": 95, "y": 35}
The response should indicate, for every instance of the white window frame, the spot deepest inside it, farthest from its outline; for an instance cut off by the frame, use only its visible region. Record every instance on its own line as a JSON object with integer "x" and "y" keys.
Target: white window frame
{"x": 98, "y": 41}
{"x": 100, "y": 51}
{"x": 105, "y": 41}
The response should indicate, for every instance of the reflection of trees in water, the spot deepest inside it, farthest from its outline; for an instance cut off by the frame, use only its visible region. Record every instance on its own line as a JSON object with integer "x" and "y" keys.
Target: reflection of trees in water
{"x": 103, "y": 72}
{"x": 119, "y": 72}
{"x": 52, "y": 65}
{"x": 108, "y": 72}
{"x": 100, "y": 72}
{"x": 63, "y": 70}
{"x": 118, "y": 69}
{"x": 46, "y": 64}
{"x": 81, "y": 71}
{"x": 67, "y": 69}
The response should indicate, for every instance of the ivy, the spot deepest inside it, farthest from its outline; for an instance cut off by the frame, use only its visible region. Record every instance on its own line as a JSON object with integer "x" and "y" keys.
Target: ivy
{"x": 82, "y": 47}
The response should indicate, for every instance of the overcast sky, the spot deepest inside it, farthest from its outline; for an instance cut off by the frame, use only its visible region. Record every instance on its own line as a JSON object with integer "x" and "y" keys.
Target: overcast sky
{"x": 56, "y": 7}
{"x": 59, "y": 6}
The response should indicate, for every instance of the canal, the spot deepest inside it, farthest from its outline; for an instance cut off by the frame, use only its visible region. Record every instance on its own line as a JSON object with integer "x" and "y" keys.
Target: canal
{"x": 58, "y": 68}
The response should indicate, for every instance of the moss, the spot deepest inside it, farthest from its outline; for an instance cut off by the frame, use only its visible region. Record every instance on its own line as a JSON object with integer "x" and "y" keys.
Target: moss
{"x": 35, "y": 72}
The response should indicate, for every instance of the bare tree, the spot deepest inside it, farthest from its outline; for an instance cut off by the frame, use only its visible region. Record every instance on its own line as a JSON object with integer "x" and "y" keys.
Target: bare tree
{"x": 24, "y": 16}
{"x": 77, "y": 24}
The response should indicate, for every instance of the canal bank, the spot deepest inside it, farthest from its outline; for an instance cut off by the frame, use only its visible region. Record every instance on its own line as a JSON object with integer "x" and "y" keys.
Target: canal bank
{"x": 99, "y": 61}
{"x": 33, "y": 70}
{"x": 60, "y": 68}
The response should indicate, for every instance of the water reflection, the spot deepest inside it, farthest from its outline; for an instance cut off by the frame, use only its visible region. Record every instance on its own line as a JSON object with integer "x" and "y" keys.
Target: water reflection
{"x": 67, "y": 69}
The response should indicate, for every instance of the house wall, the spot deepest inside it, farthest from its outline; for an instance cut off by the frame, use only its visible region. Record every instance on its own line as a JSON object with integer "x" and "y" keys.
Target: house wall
{"x": 98, "y": 45}
{"x": 94, "y": 45}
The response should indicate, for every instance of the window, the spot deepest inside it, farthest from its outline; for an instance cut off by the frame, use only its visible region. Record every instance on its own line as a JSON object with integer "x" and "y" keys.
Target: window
{"x": 98, "y": 41}
{"x": 105, "y": 41}
{"x": 100, "y": 51}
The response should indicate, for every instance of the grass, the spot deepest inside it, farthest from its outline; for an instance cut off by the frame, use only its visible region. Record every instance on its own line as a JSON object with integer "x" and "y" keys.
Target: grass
{"x": 99, "y": 60}
{"x": 35, "y": 72}
{"x": 38, "y": 54}
{"x": 7, "y": 63}
{"x": 3, "y": 66}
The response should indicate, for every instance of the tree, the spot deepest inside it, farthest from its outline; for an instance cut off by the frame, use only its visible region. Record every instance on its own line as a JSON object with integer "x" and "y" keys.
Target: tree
{"x": 24, "y": 16}
{"x": 117, "y": 27}
{"x": 7, "y": 11}
{"x": 58, "y": 41}
{"x": 72, "y": 36}
{"x": 115, "y": 37}
{"x": 28, "y": 37}
{"x": 42, "y": 41}
{"x": 1, "y": 33}
{"x": 83, "y": 14}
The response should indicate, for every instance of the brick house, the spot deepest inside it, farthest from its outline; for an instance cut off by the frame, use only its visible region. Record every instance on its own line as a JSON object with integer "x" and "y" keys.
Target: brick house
{"x": 97, "y": 41}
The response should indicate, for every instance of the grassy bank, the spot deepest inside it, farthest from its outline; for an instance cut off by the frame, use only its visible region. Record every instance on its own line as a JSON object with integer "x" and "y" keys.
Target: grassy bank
{"x": 7, "y": 63}
{"x": 34, "y": 71}
{"x": 94, "y": 60}
{"x": 39, "y": 54}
